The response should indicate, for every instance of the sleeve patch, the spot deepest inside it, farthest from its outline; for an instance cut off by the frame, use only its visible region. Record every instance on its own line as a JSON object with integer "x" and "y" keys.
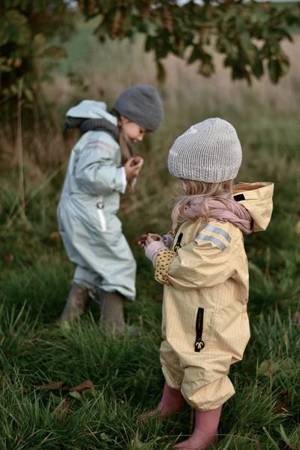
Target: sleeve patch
{"x": 217, "y": 242}
{"x": 218, "y": 230}
{"x": 217, "y": 236}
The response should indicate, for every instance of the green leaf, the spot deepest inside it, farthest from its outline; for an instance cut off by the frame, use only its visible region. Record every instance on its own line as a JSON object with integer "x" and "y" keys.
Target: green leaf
{"x": 149, "y": 43}
{"x": 161, "y": 71}
{"x": 274, "y": 67}
{"x": 195, "y": 54}
{"x": 15, "y": 28}
{"x": 257, "y": 67}
{"x": 28, "y": 94}
{"x": 206, "y": 69}
{"x": 55, "y": 52}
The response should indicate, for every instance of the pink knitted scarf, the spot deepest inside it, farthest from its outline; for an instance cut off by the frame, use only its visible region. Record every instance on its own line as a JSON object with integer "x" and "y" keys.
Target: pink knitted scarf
{"x": 224, "y": 209}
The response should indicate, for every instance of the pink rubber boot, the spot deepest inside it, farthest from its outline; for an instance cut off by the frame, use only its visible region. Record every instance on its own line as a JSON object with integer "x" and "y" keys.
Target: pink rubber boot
{"x": 170, "y": 403}
{"x": 205, "y": 430}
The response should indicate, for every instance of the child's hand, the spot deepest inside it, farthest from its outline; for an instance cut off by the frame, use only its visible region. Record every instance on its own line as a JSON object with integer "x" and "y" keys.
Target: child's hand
{"x": 142, "y": 240}
{"x": 133, "y": 167}
{"x": 147, "y": 238}
{"x": 153, "y": 245}
{"x": 152, "y": 237}
{"x": 136, "y": 160}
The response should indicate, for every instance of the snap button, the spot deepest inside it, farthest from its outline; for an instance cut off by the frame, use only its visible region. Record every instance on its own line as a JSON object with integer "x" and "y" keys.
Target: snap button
{"x": 100, "y": 205}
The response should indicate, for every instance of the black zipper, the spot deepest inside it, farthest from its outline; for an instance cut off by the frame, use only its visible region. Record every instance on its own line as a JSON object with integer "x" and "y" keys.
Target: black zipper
{"x": 178, "y": 243}
{"x": 199, "y": 344}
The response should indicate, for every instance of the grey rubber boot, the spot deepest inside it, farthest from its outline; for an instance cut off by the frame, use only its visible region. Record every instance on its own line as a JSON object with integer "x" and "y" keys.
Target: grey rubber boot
{"x": 112, "y": 312}
{"x": 77, "y": 303}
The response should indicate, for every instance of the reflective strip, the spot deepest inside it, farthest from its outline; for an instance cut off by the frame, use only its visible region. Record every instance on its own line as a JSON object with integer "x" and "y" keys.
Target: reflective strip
{"x": 100, "y": 206}
{"x": 93, "y": 143}
{"x": 218, "y": 230}
{"x": 102, "y": 220}
{"x": 212, "y": 239}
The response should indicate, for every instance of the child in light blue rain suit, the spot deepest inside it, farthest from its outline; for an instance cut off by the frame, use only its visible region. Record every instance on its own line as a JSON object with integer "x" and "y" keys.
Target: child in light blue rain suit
{"x": 101, "y": 167}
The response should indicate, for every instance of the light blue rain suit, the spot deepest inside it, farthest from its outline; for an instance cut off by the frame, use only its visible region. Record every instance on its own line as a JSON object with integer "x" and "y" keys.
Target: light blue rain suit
{"x": 87, "y": 210}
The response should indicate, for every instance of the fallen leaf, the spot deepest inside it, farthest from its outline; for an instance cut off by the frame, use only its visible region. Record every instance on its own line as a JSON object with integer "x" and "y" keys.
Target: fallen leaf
{"x": 86, "y": 384}
{"x": 8, "y": 258}
{"x": 53, "y": 386}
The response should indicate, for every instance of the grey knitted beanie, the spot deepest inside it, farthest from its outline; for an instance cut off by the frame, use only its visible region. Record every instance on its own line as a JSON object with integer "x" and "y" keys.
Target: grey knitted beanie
{"x": 141, "y": 104}
{"x": 208, "y": 151}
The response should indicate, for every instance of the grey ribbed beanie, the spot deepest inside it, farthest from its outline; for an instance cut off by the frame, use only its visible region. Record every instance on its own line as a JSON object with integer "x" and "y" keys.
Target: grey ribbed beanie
{"x": 208, "y": 151}
{"x": 141, "y": 104}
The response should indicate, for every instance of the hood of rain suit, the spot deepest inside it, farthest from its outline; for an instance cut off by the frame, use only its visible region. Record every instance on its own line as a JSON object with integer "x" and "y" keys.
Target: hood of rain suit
{"x": 257, "y": 198}
{"x": 91, "y": 109}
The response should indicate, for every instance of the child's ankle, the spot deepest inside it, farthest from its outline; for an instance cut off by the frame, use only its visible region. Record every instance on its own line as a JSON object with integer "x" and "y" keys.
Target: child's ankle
{"x": 171, "y": 402}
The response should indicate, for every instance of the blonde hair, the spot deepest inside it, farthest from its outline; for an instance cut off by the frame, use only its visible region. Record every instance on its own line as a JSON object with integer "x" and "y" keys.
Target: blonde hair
{"x": 204, "y": 191}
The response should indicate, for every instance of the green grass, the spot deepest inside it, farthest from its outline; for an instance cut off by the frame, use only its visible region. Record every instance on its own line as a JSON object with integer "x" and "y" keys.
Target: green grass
{"x": 35, "y": 275}
{"x": 125, "y": 371}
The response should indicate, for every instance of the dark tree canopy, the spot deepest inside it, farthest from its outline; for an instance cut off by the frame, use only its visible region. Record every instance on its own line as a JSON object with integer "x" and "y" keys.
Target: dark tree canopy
{"x": 28, "y": 30}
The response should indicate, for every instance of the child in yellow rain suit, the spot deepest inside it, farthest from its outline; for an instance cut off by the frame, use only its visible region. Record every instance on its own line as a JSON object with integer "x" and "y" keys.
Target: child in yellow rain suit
{"x": 204, "y": 270}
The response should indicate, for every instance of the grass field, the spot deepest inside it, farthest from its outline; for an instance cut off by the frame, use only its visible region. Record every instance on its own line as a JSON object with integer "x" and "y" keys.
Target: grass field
{"x": 41, "y": 363}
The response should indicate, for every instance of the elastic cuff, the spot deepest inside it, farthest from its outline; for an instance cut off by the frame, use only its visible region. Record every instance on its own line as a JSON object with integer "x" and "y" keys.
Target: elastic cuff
{"x": 162, "y": 264}
{"x": 209, "y": 396}
{"x": 171, "y": 382}
{"x": 121, "y": 180}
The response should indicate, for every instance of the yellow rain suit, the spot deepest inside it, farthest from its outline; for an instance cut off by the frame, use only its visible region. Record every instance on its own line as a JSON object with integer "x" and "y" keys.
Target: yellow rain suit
{"x": 205, "y": 322}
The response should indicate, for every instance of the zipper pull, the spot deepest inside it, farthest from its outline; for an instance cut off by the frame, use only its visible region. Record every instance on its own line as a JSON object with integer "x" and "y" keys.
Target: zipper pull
{"x": 178, "y": 243}
{"x": 199, "y": 345}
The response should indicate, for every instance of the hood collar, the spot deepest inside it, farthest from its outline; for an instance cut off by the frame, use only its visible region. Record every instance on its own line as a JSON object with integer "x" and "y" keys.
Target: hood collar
{"x": 257, "y": 199}
{"x": 91, "y": 109}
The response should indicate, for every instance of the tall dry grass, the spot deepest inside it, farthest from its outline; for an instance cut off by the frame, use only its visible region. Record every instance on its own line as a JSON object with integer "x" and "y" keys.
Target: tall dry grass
{"x": 263, "y": 113}
{"x": 104, "y": 70}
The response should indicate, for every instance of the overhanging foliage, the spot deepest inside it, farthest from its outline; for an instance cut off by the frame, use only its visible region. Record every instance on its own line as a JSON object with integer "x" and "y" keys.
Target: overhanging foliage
{"x": 248, "y": 34}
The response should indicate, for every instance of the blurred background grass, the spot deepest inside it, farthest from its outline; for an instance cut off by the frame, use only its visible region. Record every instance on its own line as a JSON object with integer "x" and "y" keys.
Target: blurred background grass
{"x": 35, "y": 273}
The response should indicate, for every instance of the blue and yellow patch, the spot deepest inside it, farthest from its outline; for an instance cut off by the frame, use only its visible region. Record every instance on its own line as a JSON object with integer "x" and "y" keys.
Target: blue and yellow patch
{"x": 215, "y": 235}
